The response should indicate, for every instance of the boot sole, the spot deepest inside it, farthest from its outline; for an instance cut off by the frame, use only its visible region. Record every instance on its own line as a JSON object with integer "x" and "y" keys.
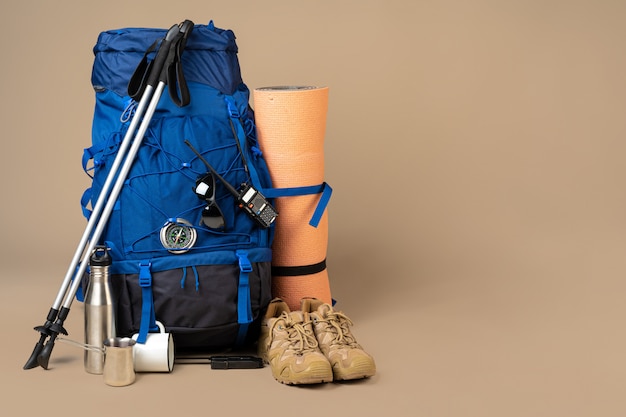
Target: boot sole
{"x": 315, "y": 374}
{"x": 359, "y": 370}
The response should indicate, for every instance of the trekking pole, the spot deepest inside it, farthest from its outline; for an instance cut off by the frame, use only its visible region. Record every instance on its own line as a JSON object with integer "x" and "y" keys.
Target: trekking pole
{"x": 45, "y": 330}
{"x": 164, "y": 69}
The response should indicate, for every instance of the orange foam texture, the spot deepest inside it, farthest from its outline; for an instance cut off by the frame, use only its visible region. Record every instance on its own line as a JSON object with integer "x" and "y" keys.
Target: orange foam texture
{"x": 291, "y": 127}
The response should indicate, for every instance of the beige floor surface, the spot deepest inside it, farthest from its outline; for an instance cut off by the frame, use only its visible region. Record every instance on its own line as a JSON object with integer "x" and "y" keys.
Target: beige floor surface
{"x": 444, "y": 347}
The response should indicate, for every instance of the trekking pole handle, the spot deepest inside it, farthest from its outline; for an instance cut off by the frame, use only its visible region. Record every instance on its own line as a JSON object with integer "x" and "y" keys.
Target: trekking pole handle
{"x": 173, "y": 70}
{"x": 166, "y": 66}
{"x": 185, "y": 28}
{"x": 162, "y": 56}
{"x": 169, "y": 52}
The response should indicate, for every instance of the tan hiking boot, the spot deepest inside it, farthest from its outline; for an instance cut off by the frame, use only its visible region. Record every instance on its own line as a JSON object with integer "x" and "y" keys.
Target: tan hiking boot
{"x": 332, "y": 330}
{"x": 288, "y": 344}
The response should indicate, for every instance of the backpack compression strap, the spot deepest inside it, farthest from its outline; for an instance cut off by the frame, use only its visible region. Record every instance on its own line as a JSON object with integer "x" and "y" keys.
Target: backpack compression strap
{"x": 244, "y": 305}
{"x": 324, "y": 189}
{"x": 148, "y": 319}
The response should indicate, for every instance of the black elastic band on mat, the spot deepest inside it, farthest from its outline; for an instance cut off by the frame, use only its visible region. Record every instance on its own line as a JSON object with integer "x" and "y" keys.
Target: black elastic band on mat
{"x": 294, "y": 271}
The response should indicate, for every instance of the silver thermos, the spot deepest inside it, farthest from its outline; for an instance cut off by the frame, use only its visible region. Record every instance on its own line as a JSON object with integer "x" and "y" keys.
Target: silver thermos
{"x": 99, "y": 310}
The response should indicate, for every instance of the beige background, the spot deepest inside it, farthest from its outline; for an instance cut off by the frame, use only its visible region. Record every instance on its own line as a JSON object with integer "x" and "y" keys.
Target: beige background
{"x": 477, "y": 229}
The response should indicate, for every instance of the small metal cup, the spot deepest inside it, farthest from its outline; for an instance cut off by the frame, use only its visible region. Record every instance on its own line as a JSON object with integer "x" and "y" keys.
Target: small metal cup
{"x": 119, "y": 369}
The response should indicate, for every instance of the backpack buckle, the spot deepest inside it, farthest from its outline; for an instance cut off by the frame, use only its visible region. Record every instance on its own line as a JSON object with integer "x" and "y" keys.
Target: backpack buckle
{"x": 232, "y": 108}
{"x": 244, "y": 262}
{"x": 145, "y": 277}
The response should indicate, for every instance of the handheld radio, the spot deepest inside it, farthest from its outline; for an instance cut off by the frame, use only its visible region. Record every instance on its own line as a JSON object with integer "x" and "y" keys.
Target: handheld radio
{"x": 248, "y": 198}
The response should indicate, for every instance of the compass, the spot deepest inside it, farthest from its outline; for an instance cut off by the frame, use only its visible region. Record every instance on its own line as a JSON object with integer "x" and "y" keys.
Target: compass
{"x": 178, "y": 236}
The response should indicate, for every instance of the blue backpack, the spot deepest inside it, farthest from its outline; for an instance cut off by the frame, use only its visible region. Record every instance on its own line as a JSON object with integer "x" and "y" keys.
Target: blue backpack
{"x": 186, "y": 250}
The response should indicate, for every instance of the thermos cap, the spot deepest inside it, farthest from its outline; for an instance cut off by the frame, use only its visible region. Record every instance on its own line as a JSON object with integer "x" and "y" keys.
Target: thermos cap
{"x": 100, "y": 257}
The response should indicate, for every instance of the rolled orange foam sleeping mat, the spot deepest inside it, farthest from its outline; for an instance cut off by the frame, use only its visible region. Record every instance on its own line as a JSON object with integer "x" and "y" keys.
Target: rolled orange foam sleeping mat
{"x": 291, "y": 125}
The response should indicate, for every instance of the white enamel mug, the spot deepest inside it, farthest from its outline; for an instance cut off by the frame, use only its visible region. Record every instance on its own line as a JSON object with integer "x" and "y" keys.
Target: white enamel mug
{"x": 157, "y": 354}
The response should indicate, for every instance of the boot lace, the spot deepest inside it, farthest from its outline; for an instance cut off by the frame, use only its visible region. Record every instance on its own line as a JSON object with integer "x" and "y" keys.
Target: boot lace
{"x": 299, "y": 337}
{"x": 338, "y": 324}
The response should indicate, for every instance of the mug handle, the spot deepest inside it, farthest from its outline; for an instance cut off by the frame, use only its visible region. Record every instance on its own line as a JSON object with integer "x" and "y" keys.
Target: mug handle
{"x": 160, "y": 326}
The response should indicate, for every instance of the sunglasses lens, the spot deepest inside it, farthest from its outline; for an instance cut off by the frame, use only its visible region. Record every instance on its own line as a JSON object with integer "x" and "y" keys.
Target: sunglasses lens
{"x": 212, "y": 217}
{"x": 205, "y": 187}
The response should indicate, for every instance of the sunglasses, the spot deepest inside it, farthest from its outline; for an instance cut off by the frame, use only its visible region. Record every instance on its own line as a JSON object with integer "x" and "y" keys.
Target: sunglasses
{"x": 212, "y": 216}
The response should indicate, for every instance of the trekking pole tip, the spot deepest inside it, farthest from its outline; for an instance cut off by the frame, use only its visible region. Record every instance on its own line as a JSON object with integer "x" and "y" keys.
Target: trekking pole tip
{"x": 32, "y": 362}
{"x": 44, "y": 357}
